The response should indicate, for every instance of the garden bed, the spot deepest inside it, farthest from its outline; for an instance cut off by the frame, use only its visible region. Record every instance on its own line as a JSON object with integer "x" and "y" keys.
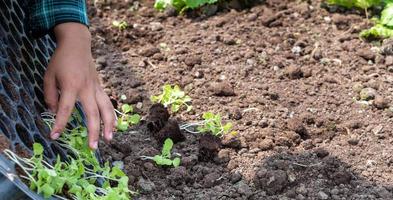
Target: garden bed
{"x": 288, "y": 74}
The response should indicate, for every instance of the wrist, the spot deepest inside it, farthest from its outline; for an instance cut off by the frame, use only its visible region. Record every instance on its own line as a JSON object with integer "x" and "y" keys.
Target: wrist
{"x": 73, "y": 35}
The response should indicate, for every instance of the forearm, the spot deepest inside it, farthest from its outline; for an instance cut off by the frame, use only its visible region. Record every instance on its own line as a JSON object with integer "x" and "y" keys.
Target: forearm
{"x": 72, "y": 35}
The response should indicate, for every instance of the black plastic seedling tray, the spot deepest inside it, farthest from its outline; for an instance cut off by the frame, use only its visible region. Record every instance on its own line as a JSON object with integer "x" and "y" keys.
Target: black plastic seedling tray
{"x": 11, "y": 187}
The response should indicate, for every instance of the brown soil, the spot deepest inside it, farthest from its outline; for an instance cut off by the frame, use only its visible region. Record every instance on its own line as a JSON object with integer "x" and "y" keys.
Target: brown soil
{"x": 170, "y": 130}
{"x": 157, "y": 118}
{"x": 289, "y": 74}
{"x": 209, "y": 146}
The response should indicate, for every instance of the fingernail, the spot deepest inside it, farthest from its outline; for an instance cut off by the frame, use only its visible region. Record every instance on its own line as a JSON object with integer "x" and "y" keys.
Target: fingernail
{"x": 94, "y": 145}
{"x": 54, "y": 136}
{"x": 110, "y": 136}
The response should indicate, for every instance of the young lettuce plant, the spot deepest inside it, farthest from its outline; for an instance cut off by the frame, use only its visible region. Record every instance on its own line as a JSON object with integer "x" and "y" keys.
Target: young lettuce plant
{"x": 174, "y": 97}
{"x": 165, "y": 158}
{"x": 212, "y": 123}
{"x": 181, "y": 5}
{"x": 75, "y": 178}
{"x": 383, "y": 25}
{"x": 121, "y": 25}
{"x": 126, "y": 118}
{"x": 70, "y": 178}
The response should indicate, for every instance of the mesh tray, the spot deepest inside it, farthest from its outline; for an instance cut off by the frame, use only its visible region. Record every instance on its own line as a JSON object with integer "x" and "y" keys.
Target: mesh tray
{"x": 23, "y": 62}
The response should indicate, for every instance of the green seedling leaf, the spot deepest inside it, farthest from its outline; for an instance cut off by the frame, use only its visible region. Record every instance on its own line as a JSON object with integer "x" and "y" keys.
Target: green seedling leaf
{"x": 176, "y": 162}
{"x": 387, "y": 15}
{"x": 122, "y": 125}
{"x": 47, "y": 190}
{"x": 212, "y": 124}
{"x": 166, "y": 149}
{"x": 160, "y": 160}
{"x": 172, "y": 96}
{"x": 90, "y": 189}
{"x": 38, "y": 149}
{"x": 134, "y": 119}
{"x": 377, "y": 32}
{"x": 125, "y": 108}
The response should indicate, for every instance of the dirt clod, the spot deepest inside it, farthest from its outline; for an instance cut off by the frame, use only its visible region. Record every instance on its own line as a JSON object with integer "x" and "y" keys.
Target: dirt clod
{"x": 222, "y": 89}
{"x": 209, "y": 146}
{"x": 193, "y": 60}
{"x": 170, "y": 130}
{"x": 271, "y": 181}
{"x": 294, "y": 72}
{"x": 380, "y": 102}
{"x": 296, "y": 125}
{"x": 149, "y": 51}
{"x": 157, "y": 118}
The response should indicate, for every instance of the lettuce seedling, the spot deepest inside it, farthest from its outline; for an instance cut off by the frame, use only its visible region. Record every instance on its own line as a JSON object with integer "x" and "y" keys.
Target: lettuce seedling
{"x": 121, "y": 25}
{"x": 174, "y": 97}
{"x": 126, "y": 118}
{"x": 71, "y": 178}
{"x": 164, "y": 159}
{"x": 181, "y": 5}
{"x": 211, "y": 124}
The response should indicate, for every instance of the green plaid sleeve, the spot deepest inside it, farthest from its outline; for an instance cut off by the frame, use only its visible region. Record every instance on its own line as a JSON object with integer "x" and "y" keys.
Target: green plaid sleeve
{"x": 44, "y": 15}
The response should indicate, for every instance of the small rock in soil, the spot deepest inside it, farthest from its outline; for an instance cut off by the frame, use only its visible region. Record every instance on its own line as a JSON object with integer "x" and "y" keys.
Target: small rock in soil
{"x": 178, "y": 176}
{"x": 133, "y": 96}
{"x": 193, "y": 60}
{"x": 265, "y": 144}
{"x": 231, "y": 141}
{"x": 322, "y": 195}
{"x": 357, "y": 87}
{"x": 368, "y": 94}
{"x": 135, "y": 83}
{"x": 252, "y": 17}
{"x": 380, "y": 102}
{"x": 341, "y": 177}
{"x": 389, "y": 60}
{"x": 149, "y": 51}
{"x": 228, "y": 40}
{"x": 222, "y": 89}
{"x": 146, "y": 186}
{"x": 236, "y": 114}
{"x": 101, "y": 61}
{"x": 190, "y": 161}
{"x": 243, "y": 189}
{"x": 366, "y": 54}
{"x": 353, "y": 141}
{"x": 294, "y": 72}
{"x": 211, "y": 180}
{"x": 296, "y": 124}
{"x": 149, "y": 166}
{"x": 263, "y": 123}
{"x": 271, "y": 181}
{"x": 235, "y": 177}
{"x": 156, "y": 26}
{"x": 321, "y": 153}
{"x": 223, "y": 155}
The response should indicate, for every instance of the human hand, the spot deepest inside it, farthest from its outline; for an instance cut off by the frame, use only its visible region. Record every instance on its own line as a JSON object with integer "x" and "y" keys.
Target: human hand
{"x": 71, "y": 71}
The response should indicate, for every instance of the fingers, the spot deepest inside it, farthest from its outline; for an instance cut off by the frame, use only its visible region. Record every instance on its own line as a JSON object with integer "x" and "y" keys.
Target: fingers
{"x": 106, "y": 111}
{"x": 89, "y": 103}
{"x": 66, "y": 106}
{"x": 50, "y": 92}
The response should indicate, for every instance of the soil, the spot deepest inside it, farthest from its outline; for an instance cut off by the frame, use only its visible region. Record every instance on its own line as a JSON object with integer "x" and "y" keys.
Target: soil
{"x": 311, "y": 102}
